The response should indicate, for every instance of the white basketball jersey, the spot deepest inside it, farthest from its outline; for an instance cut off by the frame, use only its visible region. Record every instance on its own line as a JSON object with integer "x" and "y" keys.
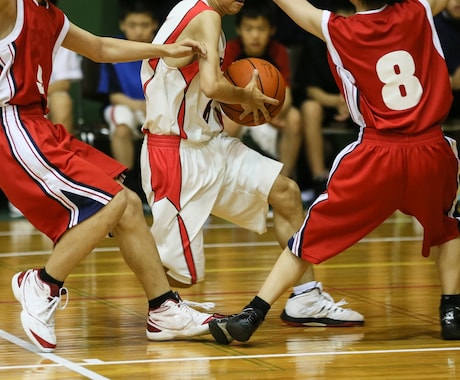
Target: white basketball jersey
{"x": 175, "y": 103}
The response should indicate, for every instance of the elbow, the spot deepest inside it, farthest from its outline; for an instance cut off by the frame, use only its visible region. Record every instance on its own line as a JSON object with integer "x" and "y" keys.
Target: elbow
{"x": 209, "y": 89}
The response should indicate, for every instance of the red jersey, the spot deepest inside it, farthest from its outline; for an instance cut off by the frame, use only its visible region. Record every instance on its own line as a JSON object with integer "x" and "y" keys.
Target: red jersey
{"x": 276, "y": 54}
{"x": 26, "y": 54}
{"x": 381, "y": 66}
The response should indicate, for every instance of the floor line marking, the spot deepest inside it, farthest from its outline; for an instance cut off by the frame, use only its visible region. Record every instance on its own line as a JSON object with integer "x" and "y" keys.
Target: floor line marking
{"x": 53, "y": 357}
{"x": 254, "y": 356}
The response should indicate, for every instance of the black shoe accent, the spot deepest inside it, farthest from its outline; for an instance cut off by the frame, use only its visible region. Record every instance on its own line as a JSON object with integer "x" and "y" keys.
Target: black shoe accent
{"x": 241, "y": 326}
{"x": 450, "y": 322}
{"x": 218, "y": 329}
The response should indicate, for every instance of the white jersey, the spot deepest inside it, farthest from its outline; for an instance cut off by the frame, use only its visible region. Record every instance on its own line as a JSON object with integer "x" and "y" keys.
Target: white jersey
{"x": 175, "y": 104}
{"x": 66, "y": 66}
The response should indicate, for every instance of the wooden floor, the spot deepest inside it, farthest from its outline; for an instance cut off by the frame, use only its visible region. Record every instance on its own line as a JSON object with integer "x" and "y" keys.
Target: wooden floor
{"x": 101, "y": 333}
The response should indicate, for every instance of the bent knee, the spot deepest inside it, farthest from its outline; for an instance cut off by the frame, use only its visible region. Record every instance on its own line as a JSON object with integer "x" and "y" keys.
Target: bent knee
{"x": 285, "y": 193}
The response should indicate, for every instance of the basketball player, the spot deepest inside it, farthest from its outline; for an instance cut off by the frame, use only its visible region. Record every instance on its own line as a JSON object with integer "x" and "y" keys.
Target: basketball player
{"x": 190, "y": 169}
{"x": 65, "y": 188}
{"x": 397, "y": 88}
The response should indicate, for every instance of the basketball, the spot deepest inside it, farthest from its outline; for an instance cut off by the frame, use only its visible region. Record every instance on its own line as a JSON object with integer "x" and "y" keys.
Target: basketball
{"x": 270, "y": 82}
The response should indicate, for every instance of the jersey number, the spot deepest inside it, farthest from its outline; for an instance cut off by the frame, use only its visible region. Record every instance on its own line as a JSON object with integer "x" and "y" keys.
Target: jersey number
{"x": 402, "y": 89}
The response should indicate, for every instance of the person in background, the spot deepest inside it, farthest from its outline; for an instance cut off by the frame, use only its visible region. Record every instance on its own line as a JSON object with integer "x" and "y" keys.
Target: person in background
{"x": 280, "y": 138}
{"x": 389, "y": 64}
{"x": 68, "y": 190}
{"x": 66, "y": 69}
{"x": 121, "y": 82}
{"x": 319, "y": 100}
{"x": 448, "y": 27}
{"x": 191, "y": 170}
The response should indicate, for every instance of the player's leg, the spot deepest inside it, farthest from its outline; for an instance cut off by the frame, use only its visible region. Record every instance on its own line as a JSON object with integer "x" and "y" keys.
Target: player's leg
{"x": 122, "y": 122}
{"x": 312, "y": 118}
{"x": 448, "y": 262}
{"x": 290, "y": 142}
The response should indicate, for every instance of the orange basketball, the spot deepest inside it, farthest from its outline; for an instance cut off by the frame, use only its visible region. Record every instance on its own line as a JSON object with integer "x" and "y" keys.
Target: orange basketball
{"x": 270, "y": 82}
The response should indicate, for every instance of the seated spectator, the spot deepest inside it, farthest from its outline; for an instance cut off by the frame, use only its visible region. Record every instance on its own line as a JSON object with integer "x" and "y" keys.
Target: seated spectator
{"x": 66, "y": 68}
{"x": 448, "y": 27}
{"x": 121, "y": 81}
{"x": 281, "y": 137}
{"x": 320, "y": 101}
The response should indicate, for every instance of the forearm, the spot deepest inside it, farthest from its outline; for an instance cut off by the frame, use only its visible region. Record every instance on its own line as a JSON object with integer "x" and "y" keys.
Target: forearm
{"x": 324, "y": 98}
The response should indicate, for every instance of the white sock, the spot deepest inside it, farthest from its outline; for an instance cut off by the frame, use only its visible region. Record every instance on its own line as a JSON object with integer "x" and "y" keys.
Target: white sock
{"x": 299, "y": 289}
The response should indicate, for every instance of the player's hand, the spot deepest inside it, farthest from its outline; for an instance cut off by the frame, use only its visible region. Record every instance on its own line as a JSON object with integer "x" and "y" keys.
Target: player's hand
{"x": 342, "y": 110}
{"x": 257, "y": 101}
{"x": 185, "y": 48}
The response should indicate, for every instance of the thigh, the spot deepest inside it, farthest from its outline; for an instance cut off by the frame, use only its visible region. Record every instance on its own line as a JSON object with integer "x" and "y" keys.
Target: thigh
{"x": 58, "y": 181}
{"x": 248, "y": 179}
{"x": 432, "y": 190}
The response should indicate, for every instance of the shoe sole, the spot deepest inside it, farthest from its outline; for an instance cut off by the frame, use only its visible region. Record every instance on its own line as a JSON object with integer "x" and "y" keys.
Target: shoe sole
{"x": 179, "y": 334}
{"x": 35, "y": 339}
{"x": 219, "y": 332}
{"x": 317, "y": 322}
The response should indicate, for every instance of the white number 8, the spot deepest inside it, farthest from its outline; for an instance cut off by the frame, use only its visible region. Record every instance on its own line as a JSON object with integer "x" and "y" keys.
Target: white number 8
{"x": 402, "y": 90}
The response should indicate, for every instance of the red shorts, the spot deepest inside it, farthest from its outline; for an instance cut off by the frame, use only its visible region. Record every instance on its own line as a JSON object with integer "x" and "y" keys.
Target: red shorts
{"x": 54, "y": 179}
{"x": 372, "y": 178}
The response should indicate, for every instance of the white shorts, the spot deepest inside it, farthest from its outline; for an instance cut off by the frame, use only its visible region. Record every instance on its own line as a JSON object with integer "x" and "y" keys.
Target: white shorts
{"x": 117, "y": 114}
{"x": 184, "y": 183}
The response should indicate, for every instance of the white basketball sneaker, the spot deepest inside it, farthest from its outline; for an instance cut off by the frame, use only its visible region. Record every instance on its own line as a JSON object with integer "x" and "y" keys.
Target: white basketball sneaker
{"x": 39, "y": 301}
{"x": 175, "y": 319}
{"x": 317, "y": 308}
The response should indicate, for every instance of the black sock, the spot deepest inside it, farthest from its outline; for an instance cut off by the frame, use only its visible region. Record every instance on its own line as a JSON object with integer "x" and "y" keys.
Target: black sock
{"x": 450, "y": 300}
{"x": 156, "y": 302}
{"x": 43, "y": 274}
{"x": 260, "y": 306}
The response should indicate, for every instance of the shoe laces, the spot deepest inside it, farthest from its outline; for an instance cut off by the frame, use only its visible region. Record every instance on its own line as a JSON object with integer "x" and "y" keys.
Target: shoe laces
{"x": 54, "y": 302}
{"x": 207, "y": 306}
{"x": 329, "y": 303}
{"x": 252, "y": 315}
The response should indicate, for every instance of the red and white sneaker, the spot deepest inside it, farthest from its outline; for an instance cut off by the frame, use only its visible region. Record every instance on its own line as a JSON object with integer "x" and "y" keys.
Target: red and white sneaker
{"x": 175, "y": 319}
{"x": 39, "y": 301}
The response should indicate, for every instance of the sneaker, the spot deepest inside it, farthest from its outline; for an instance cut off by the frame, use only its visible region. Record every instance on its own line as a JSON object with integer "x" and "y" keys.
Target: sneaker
{"x": 175, "y": 319}
{"x": 39, "y": 301}
{"x": 317, "y": 308}
{"x": 450, "y": 322}
{"x": 239, "y": 326}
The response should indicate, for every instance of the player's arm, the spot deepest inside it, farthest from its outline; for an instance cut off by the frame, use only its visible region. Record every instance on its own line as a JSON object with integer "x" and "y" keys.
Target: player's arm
{"x": 437, "y": 5}
{"x": 107, "y": 49}
{"x": 303, "y": 14}
{"x": 206, "y": 27}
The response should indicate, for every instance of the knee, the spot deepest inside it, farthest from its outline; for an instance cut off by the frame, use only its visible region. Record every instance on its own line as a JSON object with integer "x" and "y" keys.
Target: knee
{"x": 285, "y": 194}
{"x": 122, "y": 131}
{"x": 133, "y": 207}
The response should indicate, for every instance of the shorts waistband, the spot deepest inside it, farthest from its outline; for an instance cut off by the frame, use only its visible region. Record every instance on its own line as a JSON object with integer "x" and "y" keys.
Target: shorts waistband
{"x": 165, "y": 141}
{"x": 32, "y": 110}
{"x": 373, "y": 134}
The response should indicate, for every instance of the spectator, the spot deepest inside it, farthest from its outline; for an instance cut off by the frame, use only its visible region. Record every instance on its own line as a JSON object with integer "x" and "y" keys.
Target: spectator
{"x": 320, "y": 101}
{"x": 121, "y": 81}
{"x": 66, "y": 68}
{"x": 281, "y": 137}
